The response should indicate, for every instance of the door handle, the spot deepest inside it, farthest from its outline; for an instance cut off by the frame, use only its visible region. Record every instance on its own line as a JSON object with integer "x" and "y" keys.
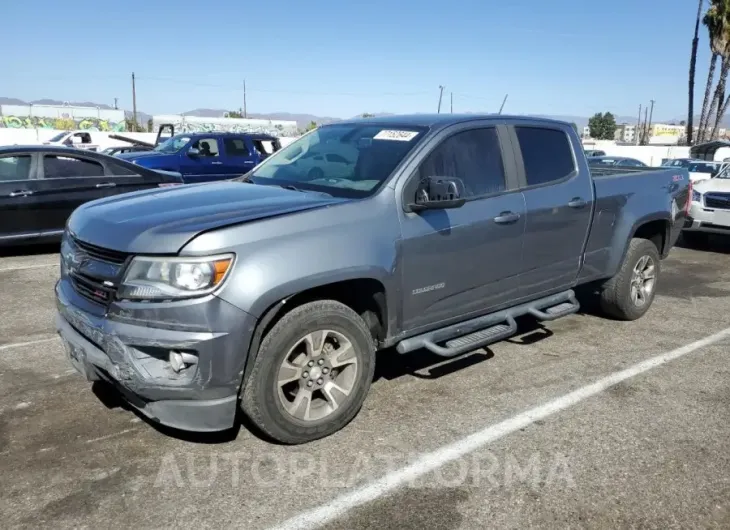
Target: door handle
{"x": 248, "y": 162}
{"x": 577, "y": 202}
{"x": 505, "y": 218}
{"x": 105, "y": 185}
{"x": 216, "y": 163}
{"x": 21, "y": 193}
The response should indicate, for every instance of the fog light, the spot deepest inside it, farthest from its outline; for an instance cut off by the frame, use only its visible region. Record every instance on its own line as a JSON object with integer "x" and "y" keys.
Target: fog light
{"x": 176, "y": 361}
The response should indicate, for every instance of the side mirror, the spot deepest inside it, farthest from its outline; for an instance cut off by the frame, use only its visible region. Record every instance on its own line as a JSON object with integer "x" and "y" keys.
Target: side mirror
{"x": 75, "y": 140}
{"x": 438, "y": 193}
{"x": 193, "y": 152}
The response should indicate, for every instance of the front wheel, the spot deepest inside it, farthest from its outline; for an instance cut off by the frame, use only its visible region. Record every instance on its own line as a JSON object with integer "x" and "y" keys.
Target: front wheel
{"x": 311, "y": 374}
{"x": 629, "y": 294}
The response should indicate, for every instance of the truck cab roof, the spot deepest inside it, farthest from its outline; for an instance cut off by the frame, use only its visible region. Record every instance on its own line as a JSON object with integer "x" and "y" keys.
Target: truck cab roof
{"x": 443, "y": 120}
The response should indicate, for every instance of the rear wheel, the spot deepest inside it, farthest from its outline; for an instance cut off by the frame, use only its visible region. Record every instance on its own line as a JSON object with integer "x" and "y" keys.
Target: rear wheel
{"x": 312, "y": 373}
{"x": 629, "y": 294}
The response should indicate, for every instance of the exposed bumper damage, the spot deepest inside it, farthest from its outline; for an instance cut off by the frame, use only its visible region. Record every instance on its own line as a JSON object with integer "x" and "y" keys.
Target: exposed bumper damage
{"x": 129, "y": 346}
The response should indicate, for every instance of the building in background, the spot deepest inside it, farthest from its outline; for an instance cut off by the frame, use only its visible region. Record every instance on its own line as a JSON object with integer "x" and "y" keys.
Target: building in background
{"x": 61, "y": 117}
{"x": 625, "y": 133}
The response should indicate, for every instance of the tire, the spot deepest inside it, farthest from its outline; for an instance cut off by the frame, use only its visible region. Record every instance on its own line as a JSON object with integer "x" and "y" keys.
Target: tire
{"x": 264, "y": 399}
{"x": 315, "y": 173}
{"x": 616, "y": 298}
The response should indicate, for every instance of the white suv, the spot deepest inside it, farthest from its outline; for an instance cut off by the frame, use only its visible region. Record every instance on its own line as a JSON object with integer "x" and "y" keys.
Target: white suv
{"x": 710, "y": 210}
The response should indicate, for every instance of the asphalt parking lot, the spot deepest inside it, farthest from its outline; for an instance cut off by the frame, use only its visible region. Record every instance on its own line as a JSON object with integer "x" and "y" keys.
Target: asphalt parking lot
{"x": 651, "y": 451}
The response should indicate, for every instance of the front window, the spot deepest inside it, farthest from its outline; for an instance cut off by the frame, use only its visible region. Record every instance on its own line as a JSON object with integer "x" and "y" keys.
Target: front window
{"x": 350, "y": 160}
{"x": 173, "y": 144}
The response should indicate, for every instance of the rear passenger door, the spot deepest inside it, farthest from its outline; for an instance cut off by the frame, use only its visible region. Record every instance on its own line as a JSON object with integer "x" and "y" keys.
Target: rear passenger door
{"x": 66, "y": 182}
{"x": 559, "y": 201}
{"x": 463, "y": 261}
{"x": 239, "y": 156}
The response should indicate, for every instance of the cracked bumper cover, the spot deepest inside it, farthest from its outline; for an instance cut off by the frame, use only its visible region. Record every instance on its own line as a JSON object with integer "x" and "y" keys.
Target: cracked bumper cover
{"x": 128, "y": 345}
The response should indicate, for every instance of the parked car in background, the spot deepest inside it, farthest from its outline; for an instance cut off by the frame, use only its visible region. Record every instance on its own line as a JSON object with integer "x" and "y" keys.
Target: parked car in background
{"x": 273, "y": 291}
{"x": 206, "y": 157}
{"x": 702, "y": 169}
{"x": 89, "y": 140}
{"x": 41, "y": 185}
{"x": 615, "y": 161}
{"x": 595, "y": 152}
{"x": 710, "y": 210}
{"x": 121, "y": 149}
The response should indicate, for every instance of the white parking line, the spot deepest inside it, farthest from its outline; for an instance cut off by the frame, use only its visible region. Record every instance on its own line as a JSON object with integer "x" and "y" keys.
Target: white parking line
{"x": 23, "y": 267}
{"x": 29, "y": 343}
{"x": 449, "y": 453}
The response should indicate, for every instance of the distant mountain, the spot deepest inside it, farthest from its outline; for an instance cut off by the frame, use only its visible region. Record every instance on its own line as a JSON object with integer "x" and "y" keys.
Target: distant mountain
{"x": 303, "y": 119}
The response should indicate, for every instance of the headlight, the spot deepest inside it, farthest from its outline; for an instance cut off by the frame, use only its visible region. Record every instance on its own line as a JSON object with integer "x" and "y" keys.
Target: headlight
{"x": 696, "y": 196}
{"x": 149, "y": 278}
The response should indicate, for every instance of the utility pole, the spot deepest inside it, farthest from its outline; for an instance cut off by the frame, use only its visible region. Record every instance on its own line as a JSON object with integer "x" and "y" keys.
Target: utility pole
{"x": 441, "y": 94}
{"x": 637, "y": 134}
{"x": 644, "y": 130}
{"x": 245, "y": 112}
{"x": 651, "y": 112}
{"x": 503, "y": 102}
{"x": 452, "y": 102}
{"x": 134, "y": 102}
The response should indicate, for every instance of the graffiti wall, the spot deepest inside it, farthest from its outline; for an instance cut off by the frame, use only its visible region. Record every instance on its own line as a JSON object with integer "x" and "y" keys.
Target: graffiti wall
{"x": 62, "y": 124}
{"x": 61, "y": 117}
{"x": 278, "y": 128}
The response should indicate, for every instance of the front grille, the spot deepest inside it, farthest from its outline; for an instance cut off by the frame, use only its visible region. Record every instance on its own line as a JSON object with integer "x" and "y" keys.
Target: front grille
{"x": 720, "y": 201}
{"x": 102, "y": 254}
{"x": 92, "y": 289}
{"x": 95, "y": 271}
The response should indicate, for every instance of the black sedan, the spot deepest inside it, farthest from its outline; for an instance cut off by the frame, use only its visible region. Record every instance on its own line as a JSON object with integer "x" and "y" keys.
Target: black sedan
{"x": 41, "y": 185}
{"x": 615, "y": 161}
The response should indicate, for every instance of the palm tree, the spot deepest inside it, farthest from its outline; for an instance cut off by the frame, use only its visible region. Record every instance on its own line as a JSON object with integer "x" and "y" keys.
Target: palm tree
{"x": 692, "y": 65}
{"x": 714, "y": 20}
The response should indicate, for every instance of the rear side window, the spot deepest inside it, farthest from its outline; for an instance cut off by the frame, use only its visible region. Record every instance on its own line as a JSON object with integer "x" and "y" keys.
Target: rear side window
{"x": 56, "y": 167}
{"x": 121, "y": 170}
{"x": 546, "y": 153}
{"x": 473, "y": 156}
{"x": 235, "y": 147}
{"x": 14, "y": 168}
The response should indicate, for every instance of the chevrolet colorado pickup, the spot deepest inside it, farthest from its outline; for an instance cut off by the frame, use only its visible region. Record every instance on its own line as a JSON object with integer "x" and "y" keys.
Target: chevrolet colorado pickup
{"x": 270, "y": 293}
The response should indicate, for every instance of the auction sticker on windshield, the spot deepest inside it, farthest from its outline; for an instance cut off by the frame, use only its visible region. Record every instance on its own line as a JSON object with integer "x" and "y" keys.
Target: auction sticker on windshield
{"x": 400, "y": 136}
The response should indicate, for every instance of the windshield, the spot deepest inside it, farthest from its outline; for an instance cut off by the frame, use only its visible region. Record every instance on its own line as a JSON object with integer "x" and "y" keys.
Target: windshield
{"x": 701, "y": 168}
{"x": 58, "y": 137}
{"x": 342, "y": 159}
{"x": 173, "y": 144}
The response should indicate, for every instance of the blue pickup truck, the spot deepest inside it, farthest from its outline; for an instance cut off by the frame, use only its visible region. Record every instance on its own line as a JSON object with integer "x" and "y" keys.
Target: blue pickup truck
{"x": 206, "y": 157}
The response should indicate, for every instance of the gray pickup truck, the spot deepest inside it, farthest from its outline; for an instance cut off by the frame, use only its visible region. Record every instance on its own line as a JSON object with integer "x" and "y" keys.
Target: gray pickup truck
{"x": 269, "y": 294}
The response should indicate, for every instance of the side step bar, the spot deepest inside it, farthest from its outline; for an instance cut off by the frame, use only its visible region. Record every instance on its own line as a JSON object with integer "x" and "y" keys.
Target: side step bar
{"x": 473, "y": 334}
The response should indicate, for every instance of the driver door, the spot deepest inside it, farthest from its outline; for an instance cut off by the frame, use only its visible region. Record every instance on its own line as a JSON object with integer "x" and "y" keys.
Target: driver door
{"x": 206, "y": 165}
{"x": 464, "y": 261}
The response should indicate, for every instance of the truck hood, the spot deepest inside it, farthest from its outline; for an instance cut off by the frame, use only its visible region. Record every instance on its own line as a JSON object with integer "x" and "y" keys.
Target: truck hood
{"x": 709, "y": 185}
{"x": 162, "y": 221}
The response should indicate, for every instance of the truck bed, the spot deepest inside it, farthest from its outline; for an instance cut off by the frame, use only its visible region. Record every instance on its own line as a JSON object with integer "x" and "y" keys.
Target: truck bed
{"x": 611, "y": 171}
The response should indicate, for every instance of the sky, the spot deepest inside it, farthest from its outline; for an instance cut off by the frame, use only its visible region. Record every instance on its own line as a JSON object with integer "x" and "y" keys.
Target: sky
{"x": 341, "y": 58}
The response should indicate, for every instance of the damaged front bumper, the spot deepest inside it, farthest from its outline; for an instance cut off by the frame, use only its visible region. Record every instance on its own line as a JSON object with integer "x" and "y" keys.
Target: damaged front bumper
{"x": 128, "y": 344}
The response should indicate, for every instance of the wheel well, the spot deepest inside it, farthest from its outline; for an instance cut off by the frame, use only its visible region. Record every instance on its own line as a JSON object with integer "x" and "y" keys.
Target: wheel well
{"x": 654, "y": 231}
{"x": 365, "y": 296}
